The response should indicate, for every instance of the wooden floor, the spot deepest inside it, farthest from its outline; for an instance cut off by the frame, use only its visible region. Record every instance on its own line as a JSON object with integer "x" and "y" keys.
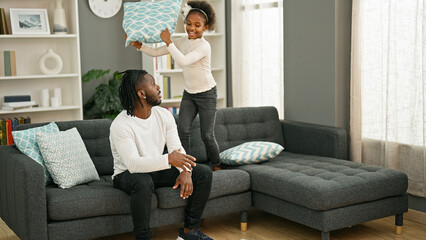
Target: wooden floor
{"x": 264, "y": 226}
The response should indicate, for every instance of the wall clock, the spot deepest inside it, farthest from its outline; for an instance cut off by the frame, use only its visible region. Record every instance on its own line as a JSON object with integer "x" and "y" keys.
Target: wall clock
{"x": 105, "y": 8}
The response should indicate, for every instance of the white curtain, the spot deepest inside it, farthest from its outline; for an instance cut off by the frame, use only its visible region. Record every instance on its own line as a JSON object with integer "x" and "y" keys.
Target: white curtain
{"x": 257, "y": 54}
{"x": 388, "y": 115}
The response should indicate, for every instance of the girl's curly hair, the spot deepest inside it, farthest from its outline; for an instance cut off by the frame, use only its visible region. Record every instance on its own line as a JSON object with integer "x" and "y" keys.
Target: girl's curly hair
{"x": 208, "y": 9}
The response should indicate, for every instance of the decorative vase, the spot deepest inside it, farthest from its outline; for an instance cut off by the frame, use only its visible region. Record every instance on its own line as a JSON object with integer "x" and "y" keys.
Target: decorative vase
{"x": 59, "y": 19}
{"x": 50, "y": 63}
{"x": 44, "y": 97}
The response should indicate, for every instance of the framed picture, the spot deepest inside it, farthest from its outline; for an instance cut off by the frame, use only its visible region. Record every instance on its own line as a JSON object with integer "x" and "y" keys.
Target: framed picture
{"x": 29, "y": 21}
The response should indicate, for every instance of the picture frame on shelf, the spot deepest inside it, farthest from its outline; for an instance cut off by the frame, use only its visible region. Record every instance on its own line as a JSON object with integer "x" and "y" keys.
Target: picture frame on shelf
{"x": 29, "y": 21}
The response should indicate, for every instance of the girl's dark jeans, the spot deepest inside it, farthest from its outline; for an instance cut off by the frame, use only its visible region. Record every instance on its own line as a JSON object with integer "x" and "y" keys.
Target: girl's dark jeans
{"x": 204, "y": 104}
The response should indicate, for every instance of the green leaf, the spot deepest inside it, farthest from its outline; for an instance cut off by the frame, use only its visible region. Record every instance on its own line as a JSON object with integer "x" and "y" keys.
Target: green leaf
{"x": 94, "y": 74}
{"x": 106, "y": 101}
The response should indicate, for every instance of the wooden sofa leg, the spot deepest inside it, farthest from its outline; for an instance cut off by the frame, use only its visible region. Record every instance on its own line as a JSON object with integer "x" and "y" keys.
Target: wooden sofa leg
{"x": 325, "y": 235}
{"x": 398, "y": 223}
{"x": 243, "y": 221}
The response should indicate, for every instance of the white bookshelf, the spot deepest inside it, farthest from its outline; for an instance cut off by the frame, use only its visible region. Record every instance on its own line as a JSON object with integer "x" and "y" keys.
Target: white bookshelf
{"x": 30, "y": 80}
{"x": 217, "y": 40}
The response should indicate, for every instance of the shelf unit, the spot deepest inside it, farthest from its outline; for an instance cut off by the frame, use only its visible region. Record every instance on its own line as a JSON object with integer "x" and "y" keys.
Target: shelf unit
{"x": 217, "y": 40}
{"x": 30, "y": 80}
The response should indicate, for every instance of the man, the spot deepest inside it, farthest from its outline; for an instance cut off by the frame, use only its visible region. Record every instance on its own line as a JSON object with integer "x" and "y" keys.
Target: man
{"x": 138, "y": 136}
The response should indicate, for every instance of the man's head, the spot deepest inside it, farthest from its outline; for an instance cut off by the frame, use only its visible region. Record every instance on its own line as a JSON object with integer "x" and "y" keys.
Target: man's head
{"x": 138, "y": 89}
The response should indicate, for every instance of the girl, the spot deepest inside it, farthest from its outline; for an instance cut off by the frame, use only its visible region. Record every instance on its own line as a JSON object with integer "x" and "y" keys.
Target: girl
{"x": 193, "y": 54}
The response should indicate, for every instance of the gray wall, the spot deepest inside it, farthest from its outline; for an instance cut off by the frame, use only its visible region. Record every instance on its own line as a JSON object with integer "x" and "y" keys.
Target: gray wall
{"x": 317, "y": 61}
{"x": 102, "y": 46}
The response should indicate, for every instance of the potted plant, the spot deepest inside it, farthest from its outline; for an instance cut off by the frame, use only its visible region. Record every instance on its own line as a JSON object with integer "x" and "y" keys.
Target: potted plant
{"x": 105, "y": 102}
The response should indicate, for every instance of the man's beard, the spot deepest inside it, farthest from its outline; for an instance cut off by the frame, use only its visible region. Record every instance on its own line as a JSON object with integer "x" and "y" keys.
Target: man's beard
{"x": 153, "y": 101}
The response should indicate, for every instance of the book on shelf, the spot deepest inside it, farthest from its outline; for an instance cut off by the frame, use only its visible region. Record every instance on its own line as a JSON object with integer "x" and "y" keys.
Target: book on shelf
{"x": 8, "y": 63}
{"x": 3, "y": 22}
{"x": 27, "y": 120}
{"x": 3, "y": 134}
{"x": 7, "y": 108}
{"x": 15, "y": 122}
{"x": 19, "y": 104}
{"x": 169, "y": 61}
{"x": 21, "y": 120}
{"x": 17, "y": 98}
{"x": 166, "y": 87}
{"x": 9, "y": 138}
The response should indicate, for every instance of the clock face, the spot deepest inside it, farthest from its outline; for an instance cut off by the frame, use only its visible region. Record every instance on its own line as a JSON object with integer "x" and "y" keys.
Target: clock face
{"x": 105, "y": 8}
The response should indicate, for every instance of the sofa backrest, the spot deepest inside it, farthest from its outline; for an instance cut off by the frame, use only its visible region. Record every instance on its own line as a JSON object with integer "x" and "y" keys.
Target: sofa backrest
{"x": 95, "y": 134}
{"x": 235, "y": 126}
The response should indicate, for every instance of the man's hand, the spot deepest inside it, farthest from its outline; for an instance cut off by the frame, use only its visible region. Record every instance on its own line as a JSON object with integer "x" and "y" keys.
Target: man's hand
{"x": 134, "y": 44}
{"x": 185, "y": 181}
{"x": 165, "y": 36}
{"x": 183, "y": 161}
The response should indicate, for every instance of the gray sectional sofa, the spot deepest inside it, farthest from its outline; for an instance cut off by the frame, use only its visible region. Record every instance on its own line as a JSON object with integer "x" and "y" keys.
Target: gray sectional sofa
{"x": 310, "y": 182}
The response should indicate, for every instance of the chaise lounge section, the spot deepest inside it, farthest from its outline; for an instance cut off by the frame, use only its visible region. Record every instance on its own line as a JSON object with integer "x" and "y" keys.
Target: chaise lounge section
{"x": 310, "y": 182}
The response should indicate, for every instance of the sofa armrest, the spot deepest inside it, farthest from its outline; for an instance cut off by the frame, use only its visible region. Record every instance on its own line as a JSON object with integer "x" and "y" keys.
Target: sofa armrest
{"x": 22, "y": 194}
{"x": 313, "y": 139}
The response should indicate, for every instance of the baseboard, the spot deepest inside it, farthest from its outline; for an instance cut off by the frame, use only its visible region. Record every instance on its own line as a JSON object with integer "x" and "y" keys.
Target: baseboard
{"x": 415, "y": 216}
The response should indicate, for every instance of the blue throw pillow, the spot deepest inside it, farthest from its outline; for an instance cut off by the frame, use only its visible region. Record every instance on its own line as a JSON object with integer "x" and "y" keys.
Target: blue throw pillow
{"x": 25, "y": 141}
{"x": 144, "y": 21}
{"x": 250, "y": 152}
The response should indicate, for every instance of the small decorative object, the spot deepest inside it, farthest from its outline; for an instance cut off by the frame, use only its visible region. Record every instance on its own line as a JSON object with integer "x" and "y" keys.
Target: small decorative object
{"x": 50, "y": 63}
{"x": 59, "y": 20}
{"x": 57, "y": 92}
{"x": 54, "y": 102}
{"x": 29, "y": 21}
{"x": 44, "y": 97}
{"x": 105, "y": 8}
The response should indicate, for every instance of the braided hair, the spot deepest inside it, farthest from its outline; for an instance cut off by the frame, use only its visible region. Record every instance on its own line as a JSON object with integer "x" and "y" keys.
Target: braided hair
{"x": 127, "y": 91}
{"x": 207, "y": 8}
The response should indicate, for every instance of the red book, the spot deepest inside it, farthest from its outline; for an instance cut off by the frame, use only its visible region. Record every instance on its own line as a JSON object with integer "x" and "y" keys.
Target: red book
{"x": 9, "y": 131}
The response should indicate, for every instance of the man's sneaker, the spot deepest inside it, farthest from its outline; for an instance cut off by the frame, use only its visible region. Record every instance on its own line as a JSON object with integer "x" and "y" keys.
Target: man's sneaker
{"x": 193, "y": 235}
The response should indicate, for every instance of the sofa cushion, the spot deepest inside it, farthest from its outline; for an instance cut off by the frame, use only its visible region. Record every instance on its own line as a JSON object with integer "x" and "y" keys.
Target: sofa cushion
{"x": 250, "y": 152}
{"x": 95, "y": 135}
{"x": 225, "y": 182}
{"x": 25, "y": 141}
{"x": 66, "y": 158}
{"x": 235, "y": 126}
{"x": 322, "y": 183}
{"x": 97, "y": 198}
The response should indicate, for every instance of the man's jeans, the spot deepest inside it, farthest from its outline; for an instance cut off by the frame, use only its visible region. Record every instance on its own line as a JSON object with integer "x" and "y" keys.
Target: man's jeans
{"x": 204, "y": 104}
{"x": 141, "y": 186}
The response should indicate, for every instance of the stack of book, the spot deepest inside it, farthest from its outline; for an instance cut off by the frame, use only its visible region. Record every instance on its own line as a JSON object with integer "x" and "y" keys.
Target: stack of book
{"x": 16, "y": 102}
{"x": 9, "y": 125}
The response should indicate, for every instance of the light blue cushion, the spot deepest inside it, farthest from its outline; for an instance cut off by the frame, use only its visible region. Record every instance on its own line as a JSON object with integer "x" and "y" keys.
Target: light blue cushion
{"x": 66, "y": 158}
{"x": 250, "y": 152}
{"x": 25, "y": 141}
{"x": 144, "y": 21}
